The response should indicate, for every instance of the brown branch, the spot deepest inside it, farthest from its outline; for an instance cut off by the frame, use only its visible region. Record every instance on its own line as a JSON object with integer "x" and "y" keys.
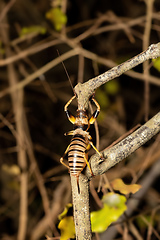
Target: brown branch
{"x": 27, "y": 52}
{"x": 84, "y": 91}
{"x": 6, "y": 9}
{"x": 17, "y": 102}
{"x": 146, "y": 182}
{"x": 81, "y": 207}
{"x": 112, "y": 156}
{"x": 125, "y": 24}
{"x": 113, "y": 73}
{"x": 109, "y": 63}
{"x": 39, "y": 72}
{"x": 115, "y": 154}
{"x": 56, "y": 207}
{"x": 146, "y": 37}
{"x": 124, "y": 148}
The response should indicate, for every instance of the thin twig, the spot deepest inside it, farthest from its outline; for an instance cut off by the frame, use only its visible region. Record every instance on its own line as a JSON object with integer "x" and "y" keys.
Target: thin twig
{"x": 80, "y": 68}
{"x": 27, "y": 52}
{"x": 39, "y": 72}
{"x": 56, "y": 208}
{"x": 17, "y": 101}
{"x": 146, "y": 37}
{"x": 133, "y": 203}
{"x": 6, "y": 9}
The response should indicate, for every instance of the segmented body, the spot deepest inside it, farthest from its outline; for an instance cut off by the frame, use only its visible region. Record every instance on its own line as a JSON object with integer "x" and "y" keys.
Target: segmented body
{"x": 81, "y": 141}
{"x": 77, "y": 152}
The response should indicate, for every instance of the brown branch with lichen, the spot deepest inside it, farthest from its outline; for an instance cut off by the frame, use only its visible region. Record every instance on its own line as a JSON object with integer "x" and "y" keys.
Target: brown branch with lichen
{"x": 116, "y": 153}
{"x": 85, "y": 90}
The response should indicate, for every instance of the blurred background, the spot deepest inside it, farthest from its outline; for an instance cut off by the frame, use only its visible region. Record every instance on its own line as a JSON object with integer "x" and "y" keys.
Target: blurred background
{"x": 35, "y": 36}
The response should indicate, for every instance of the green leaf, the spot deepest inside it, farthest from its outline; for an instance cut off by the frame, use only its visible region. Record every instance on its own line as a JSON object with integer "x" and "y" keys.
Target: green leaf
{"x": 66, "y": 225}
{"x": 13, "y": 185}
{"x": 102, "y": 98}
{"x": 67, "y": 228}
{"x": 11, "y": 170}
{"x": 112, "y": 87}
{"x": 64, "y": 213}
{"x": 119, "y": 185}
{"x": 33, "y": 29}
{"x": 57, "y": 18}
{"x": 114, "y": 200}
{"x": 156, "y": 63}
{"x": 114, "y": 207}
{"x": 142, "y": 223}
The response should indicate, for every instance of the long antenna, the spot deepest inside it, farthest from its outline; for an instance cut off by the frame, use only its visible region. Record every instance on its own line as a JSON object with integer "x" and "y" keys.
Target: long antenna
{"x": 67, "y": 73}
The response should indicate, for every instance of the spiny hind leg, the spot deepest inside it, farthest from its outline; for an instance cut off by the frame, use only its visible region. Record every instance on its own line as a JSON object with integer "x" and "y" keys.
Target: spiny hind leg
{"x": 88, "y": 165}
{"x": 62, "y": 158}
{"x": 61, "y": 161}
{"x": 100, "y": 154}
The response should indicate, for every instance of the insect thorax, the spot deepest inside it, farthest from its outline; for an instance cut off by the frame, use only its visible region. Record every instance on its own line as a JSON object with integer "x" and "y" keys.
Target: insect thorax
{"x": 84, "y": 134}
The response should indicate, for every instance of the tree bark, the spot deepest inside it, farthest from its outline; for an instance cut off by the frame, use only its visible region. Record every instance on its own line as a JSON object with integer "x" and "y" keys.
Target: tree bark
{"x": 114, "y": 154}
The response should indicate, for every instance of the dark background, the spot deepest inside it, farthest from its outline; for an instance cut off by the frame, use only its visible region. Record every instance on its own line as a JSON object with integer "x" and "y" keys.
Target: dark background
{"x": 44, "y": 100}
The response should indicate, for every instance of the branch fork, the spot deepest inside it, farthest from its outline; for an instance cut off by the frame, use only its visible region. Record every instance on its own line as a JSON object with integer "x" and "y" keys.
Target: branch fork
{"x": 114, "y": 154}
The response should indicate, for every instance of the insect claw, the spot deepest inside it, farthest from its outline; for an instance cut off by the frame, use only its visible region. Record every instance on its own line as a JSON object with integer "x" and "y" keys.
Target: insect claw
{"x": 102, "y": 156}
{"x": 92, "y": 174}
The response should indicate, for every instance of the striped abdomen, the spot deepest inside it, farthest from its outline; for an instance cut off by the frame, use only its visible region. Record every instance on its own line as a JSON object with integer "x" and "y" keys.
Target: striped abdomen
{"x": 76, "y": 154}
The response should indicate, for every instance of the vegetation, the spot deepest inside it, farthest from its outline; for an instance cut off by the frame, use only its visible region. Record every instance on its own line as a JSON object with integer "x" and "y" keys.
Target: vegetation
{"x": 90, "y": 38}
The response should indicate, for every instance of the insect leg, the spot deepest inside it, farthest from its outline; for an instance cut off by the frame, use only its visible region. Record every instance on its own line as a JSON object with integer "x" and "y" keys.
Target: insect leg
{"x": 95, "y": 114}
{"x": 88, "y": 165}
{"x": 62, "y": 158}
{"x": 68, "y": 113}
{"x": 68, "y": 103}
{"x": 61, "y": 161}
{"x": 96, "y": 149}
{"x": 69, "y": 133}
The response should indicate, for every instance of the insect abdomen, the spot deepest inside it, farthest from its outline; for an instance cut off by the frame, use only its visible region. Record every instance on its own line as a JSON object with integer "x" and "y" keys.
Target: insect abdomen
{"x": 76, "y": 155}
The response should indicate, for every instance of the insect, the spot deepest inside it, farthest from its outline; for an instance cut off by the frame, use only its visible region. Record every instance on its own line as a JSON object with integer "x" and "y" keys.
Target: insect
{"x": 81, "y": 141}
